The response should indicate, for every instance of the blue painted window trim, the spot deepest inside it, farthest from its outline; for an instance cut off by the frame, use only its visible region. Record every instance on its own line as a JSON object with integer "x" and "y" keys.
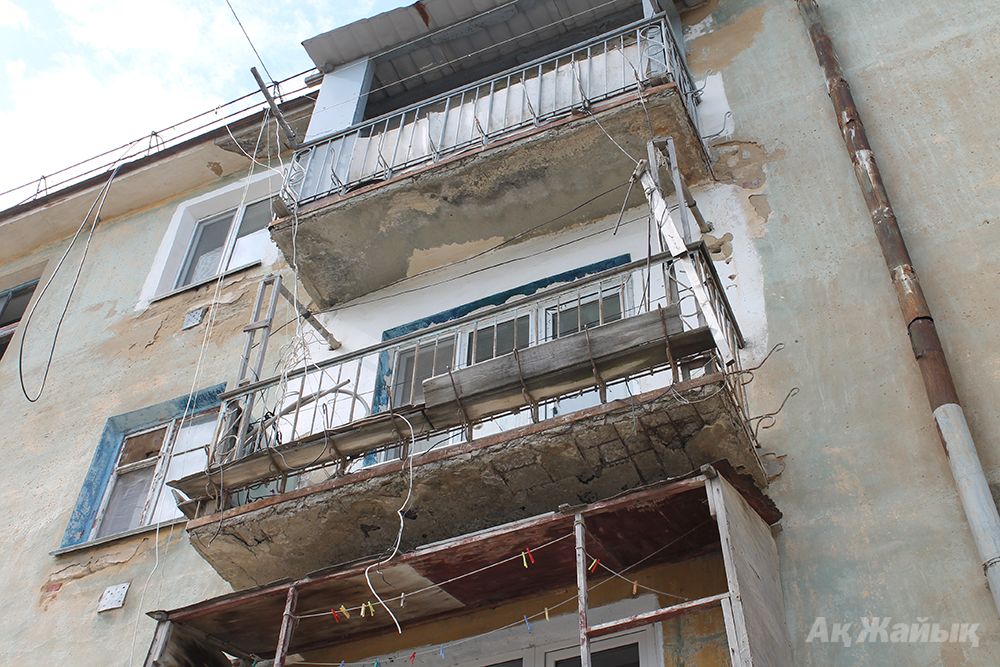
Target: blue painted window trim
{"x": 380, "y": 399}
{"x": 95, "y": 484}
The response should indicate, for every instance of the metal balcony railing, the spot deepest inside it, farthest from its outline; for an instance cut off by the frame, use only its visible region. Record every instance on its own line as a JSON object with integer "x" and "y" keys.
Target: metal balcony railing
{"x": 484, "y": 111}
{"x": 335, "y": 400}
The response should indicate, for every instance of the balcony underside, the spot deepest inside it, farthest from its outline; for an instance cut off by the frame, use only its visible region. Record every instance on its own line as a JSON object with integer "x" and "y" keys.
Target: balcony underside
{"x": 443, "y": 211}
{"x": 662, "y": 523}
{"x": 582, "y": 457}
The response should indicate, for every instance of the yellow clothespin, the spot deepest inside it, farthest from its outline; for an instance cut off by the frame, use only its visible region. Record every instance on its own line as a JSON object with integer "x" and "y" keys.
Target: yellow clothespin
{"x": 546, "y": 613}
{"x": 343, "y": 610}
{"x": 371, "y": 609}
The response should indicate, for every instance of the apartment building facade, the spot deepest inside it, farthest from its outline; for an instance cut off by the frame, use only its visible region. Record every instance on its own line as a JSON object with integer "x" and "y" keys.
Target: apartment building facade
{"x": 541, "y": 327}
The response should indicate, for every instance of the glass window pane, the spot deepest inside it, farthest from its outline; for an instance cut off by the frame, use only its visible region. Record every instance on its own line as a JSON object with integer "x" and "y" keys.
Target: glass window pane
{"x": 205, "y": 255}
{"x": 16, "y": 305}
{"x": 124, "y": 509}
{"x": 568, "y": 320}
{"x": 407, "y": 386}
{"x": 252, "y": 239}
{"x": 188, "y": 455}
{"x": 505, "y": 333}
{"x": 197, "y": 432}
{"x": 508, "y": 663}
{"x": 621, "y": 656}
{"x": 142, "y": 446}
{"x": 256, "y": 218}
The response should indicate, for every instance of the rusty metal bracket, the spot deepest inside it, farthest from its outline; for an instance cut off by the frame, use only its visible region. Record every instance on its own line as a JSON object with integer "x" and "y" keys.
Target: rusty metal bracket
{"x": 524, "y": 388}
{"x": 458, "y": 399}
{"x": 674, "y": 372}
{"x": 601, "y": 384}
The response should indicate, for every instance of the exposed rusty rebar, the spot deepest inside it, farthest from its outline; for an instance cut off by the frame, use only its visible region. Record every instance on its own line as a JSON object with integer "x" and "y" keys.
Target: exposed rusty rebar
{"x": 973, "y": 488}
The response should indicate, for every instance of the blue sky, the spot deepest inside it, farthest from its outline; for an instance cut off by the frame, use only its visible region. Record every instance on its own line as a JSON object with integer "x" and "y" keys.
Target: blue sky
{"x": 78, "y": 77}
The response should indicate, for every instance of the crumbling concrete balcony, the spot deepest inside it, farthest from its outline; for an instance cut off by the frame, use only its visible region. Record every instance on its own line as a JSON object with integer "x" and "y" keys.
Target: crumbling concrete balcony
{"x": 705, "y": 538}
{"x": 571, "y": 395}
{"x": 444, "y": 178}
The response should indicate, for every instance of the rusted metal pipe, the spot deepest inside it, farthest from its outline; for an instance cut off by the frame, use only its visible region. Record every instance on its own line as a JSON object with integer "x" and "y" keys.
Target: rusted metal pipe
{"x": 581, "y": 588}
{"x": 973, "y": 488}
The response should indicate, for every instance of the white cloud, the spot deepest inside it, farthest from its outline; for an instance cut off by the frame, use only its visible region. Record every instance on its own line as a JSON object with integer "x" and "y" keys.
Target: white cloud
{"x": 12, "y": 15}
{"x": 114, "y": 70}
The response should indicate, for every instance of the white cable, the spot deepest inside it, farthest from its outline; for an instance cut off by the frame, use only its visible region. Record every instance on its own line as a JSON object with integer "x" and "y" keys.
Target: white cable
{"x": 187, "y": 407}
{"x": 399, "y": 535}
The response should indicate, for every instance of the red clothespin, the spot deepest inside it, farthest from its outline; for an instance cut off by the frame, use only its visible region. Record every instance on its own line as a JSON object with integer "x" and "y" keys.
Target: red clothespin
{"x": 530, "y": 557}
{"x": 593, "y": 566}
{"x": 413, "y": 656}
{"x": 336, "y": 616}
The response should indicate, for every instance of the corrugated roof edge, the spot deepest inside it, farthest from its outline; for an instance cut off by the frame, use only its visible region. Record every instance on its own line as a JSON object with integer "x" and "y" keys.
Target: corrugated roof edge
{"x": 407, "y": 23}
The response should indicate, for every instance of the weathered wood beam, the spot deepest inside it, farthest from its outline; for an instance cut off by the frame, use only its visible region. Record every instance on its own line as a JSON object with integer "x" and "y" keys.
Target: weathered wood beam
{"x": 655, "y": 616}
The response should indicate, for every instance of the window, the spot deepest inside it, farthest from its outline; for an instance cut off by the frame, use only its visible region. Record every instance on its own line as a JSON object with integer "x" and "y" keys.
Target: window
{"x": 226, "y": 241}
{"x": 631, "y": 649}
{"x": 13, "y": 304}
{"x": 498, "y": 339}
{"x": 138, "y": 494}
{"x": 588, "y": 312}
{"x": 215, "y": 233}
{"x": 621, "y": 656}
{"x": 415, "y": 364}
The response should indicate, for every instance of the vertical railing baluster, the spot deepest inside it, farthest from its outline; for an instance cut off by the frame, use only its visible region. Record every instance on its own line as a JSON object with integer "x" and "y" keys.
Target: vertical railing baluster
{"x": 413, "y": 376}
{"x": 354, "y": 396}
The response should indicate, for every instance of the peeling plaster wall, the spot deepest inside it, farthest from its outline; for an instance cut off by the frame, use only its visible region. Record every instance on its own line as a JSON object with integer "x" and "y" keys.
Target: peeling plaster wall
{"x": 873, "y": 525}
{"x": 110, "y": 359}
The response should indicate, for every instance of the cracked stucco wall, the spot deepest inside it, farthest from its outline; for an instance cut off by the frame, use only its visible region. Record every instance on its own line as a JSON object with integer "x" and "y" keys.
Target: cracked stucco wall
{"x": 872, "y": 526}
{"x": 110, "y": 359}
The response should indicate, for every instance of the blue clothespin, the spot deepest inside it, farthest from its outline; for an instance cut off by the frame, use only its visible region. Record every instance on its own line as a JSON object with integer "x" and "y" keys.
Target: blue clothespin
{"x": 341, "y": 663}
{"x": 527, "y": 624}
{"x": 441, "y": 651}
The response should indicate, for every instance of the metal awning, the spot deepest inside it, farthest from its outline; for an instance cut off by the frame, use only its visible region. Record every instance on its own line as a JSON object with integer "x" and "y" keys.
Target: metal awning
{"x": 412, "y": 44}
{"x": 460, "y": 575}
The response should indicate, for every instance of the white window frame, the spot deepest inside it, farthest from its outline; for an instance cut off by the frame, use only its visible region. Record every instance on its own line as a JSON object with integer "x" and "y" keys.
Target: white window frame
{"x": 238, "y": 213}
{"x": 7, "y": 332}
{"x": 645, "y": 637}
{"x": 157, "y": 481}
{"x": 649, "y": 638}
{"x": 167, "y": 265}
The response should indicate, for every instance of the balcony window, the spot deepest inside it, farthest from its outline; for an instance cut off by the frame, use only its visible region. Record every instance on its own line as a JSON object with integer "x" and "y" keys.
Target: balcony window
{"x": 591, "y": 311}
{"x": 13, "y": 304}
{"x": 416, "y": 364}
{"x": 498, "y": 339}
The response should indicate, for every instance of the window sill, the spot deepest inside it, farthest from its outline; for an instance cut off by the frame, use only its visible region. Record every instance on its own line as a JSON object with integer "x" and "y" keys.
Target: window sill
{"x": 117, "y": 536}
{"x": 208, "y": 281}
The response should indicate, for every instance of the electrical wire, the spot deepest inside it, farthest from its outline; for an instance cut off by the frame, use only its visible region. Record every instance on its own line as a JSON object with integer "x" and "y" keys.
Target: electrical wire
{"x": 206, "y": 337}
{"x": 98, "y": 204}
{"x": 436, "y": 649}
{"x": 249, "y": 41}
{"x": 399, "y": 534}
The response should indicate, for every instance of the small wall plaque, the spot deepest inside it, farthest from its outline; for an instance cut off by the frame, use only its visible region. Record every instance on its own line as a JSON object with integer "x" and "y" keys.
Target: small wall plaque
{"x": 113, "y": 597}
